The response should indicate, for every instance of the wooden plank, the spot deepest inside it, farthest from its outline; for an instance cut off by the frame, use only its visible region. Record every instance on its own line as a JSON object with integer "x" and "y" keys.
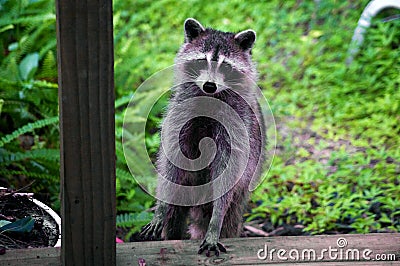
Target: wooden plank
{"x": 241, "y": 251}
{"x": 36, "y": 256}
{"x": 86, "y": 96}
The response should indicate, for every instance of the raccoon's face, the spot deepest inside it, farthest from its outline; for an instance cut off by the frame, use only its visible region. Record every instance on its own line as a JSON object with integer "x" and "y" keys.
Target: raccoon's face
{"x": 215, "y": 60}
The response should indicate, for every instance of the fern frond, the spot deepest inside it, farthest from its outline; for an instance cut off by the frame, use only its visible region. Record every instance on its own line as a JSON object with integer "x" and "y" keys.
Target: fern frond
{"x": 133, "y": 219}
{"x": 26, "y": 44}
{"x": 52, "y": 155}
{"x": 122, "y": 101}
{"x": 28, "y": 128}
{"x": 48, "y": 47}
{"x": 49, "y": 66}
{"x": 123, "y": 175}
{"x": 30, "y": 19}
{"x": 10, "y": 69}
{"x": 125, "y": 220}
{"x": 119, "y": 151}
{"x": 51, "y": 178}
{"x": 42, "y": 84}
{"x": 7, "y": 86}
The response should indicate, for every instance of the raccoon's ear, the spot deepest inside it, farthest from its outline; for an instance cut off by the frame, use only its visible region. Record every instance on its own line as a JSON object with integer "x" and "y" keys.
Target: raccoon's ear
{"x": 193, "y": 28}
{"x": 246, "y": 39}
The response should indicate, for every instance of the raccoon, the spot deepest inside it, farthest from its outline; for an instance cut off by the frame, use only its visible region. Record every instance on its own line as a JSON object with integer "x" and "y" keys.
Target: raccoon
{"x": 216, "y": 65}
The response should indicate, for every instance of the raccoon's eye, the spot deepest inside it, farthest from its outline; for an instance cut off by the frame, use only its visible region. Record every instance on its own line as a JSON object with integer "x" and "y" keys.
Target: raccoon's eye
{"x": 194, "y": 67}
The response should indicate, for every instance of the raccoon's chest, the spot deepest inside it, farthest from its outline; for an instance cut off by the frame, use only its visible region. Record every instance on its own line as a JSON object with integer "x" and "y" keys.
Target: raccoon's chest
{"x": 189, "y": 139}
{"x": 199, "y": 128}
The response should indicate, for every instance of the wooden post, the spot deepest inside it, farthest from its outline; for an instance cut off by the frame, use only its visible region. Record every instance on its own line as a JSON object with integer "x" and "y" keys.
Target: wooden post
{"x": 87, "y": 127}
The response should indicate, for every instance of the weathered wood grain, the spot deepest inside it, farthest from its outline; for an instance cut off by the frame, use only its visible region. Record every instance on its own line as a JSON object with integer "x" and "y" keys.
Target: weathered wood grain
{"x": 241, "y": 251}
{"x": 87, "y": 128}
{"x": 34, "y": 257}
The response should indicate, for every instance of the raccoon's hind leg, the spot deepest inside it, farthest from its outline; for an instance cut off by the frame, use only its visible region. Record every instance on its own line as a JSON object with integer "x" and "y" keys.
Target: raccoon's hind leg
{"x": 152, "y": 231}
{"x": 169, "y": 222}
{"x": 175, "y": 225}
{"x": 211, "y": 239}
{"x": 200, "y": 218}
{"x": 233, "y": 220}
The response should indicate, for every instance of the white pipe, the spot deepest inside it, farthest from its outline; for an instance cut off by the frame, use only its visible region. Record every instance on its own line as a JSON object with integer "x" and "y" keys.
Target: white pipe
{"x": 54, "y": 215}
{"x": 373, "y": 8}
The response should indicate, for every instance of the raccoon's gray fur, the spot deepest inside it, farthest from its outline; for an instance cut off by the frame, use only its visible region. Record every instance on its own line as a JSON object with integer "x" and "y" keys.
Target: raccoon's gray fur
{"x": 222, "y": 217}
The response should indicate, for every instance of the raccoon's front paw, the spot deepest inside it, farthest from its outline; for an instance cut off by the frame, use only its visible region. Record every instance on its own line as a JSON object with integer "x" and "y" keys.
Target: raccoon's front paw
{"x": 211, "y": 245}
{"x": 152, "y": 231}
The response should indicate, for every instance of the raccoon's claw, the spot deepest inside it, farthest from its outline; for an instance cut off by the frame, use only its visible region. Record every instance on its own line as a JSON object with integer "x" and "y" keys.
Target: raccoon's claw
{"x": 216, "y": 247}
{"x": 152, "y": 231}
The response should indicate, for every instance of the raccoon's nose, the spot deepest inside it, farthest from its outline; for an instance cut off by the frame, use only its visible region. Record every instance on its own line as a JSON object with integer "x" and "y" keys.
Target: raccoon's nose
{"x": 210, "y": 87}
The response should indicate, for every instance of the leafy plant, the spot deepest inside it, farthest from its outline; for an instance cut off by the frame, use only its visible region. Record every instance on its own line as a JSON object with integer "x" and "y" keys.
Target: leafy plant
{"x": 20, "y": 226}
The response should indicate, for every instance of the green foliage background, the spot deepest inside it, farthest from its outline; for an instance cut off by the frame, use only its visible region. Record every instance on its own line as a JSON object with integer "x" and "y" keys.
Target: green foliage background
{"x": 338, "y": 159}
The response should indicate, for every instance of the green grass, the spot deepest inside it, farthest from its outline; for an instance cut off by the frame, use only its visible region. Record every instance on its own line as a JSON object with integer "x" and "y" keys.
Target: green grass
{"x": 338, "y": 158}
{"x": 338, "y": 127}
